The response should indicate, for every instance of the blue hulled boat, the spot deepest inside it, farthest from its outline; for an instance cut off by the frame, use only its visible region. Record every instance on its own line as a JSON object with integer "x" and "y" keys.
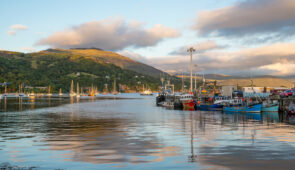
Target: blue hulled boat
{"x": 209, "y": 107}
{"x": 253, "y": 108}
{"x": 270, "y": 108}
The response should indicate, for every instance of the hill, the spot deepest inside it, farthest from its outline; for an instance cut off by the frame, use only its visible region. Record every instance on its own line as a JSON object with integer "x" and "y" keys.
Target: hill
{"x": 57, "y": 67}
{"x": 100, "y": 56}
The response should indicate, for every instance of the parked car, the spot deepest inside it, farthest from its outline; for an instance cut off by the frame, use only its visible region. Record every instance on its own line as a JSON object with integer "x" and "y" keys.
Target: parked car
{"x": 277, "y": 91}
{"x": 287, "y": 93}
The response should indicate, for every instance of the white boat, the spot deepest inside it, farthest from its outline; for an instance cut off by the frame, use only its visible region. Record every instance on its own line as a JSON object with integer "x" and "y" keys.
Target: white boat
{"x": 147, "y": 93}
{"x": 72, "y": 90}
{"x": 1, "y": 96}
{"x": 60, "y": 92}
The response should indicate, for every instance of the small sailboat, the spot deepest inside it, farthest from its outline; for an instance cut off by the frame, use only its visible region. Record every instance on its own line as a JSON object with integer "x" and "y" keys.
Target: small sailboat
{"x": 49, "y": 91}
{"x": 77, "y": 93}
{"x": 20, "y": 93}
{"x": 114, "y": 92}
{"x": 72, "y": 90}
{"x": 60, "y": 92}
{"x": 105, "y": 89}
{"x": 91, "y": 91}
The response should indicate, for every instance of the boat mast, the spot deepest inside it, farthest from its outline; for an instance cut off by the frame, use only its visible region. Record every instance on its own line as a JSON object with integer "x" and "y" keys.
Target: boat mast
{"x": 196, "y": 77}
{"x": 72, "y": 87}
{"x": 5, "y": 88}
{"x": 78, "y": 88}
{"x": 114, "y": 89}
{"x": 182, "y": 85}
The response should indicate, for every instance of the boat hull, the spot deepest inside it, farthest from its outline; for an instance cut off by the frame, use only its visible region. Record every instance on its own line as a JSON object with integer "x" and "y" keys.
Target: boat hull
{"x": 189, "y": 105}
{"x": 246, "y": 109}
{"x": 274, "y": 108}
{"x": 206, "y": 107}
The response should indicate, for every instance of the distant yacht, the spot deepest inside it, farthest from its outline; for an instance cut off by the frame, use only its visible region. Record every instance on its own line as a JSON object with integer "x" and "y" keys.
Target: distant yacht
{"x": 60, "y": 92}
{"x": 72, "y": 90}
{"x": 114, "y": 92}
{"x": 77, "y": 93}
{"x": 49, "y": 91}
{"x": 147, "y": 92}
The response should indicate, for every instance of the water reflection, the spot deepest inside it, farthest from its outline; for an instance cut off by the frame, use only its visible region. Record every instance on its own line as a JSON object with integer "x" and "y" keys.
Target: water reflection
{"x": 79, "y": 132}
{"x": 102, "y": 141}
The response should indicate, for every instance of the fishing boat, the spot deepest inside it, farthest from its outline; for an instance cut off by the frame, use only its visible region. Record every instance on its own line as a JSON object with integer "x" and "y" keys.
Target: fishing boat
{"x": 169, "y": 101}
{"x": 251, "y": 108}
{"x": 217, "y": 105}
{"x": 187, "y": 101}
{"x": 160, "y": 98}
{"x": 270, "y": 108}
{"x": 209, "y": 107}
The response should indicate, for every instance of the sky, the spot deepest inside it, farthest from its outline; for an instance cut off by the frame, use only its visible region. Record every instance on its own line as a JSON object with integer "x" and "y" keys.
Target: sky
{"x": 233, "y": 37}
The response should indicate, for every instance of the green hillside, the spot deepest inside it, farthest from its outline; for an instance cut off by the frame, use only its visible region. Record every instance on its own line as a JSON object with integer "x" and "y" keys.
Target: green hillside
{"x": 100, "y": 56}
{"x": 58, "y": 67}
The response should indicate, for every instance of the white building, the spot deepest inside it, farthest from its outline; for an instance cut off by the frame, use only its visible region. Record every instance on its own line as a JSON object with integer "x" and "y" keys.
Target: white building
{"x": 253, "y": 89}
{"x": 228, "y": 90}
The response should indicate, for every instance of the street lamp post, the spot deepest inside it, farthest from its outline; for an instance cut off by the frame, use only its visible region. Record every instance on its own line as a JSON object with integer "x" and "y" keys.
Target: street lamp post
{"x": 191, "y": 50}
{"x": 195, "y": 77}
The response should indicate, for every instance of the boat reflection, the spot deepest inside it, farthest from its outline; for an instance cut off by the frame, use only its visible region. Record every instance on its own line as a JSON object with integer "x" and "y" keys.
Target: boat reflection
{"x": 243, "y": 116}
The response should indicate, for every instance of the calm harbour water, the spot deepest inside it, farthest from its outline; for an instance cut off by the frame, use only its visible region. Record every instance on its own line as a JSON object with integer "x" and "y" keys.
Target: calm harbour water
{"x": 63, "y": 133}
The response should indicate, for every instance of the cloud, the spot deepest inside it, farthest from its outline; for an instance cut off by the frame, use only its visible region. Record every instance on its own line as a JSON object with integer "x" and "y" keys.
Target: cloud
{"x": 28, "y": 49}
{"x": 248, "y": 17}
{"x": 11, "y": 32}
{"x": 109, "y": 34}
{"x": 200, "y": 48}
{"x": 18, "y": 27}
{"x": 276, "y": 59}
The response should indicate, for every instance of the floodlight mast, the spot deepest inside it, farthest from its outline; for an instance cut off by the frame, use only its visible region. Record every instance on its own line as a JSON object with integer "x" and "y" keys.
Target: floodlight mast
{"x": 191, "y": 50}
